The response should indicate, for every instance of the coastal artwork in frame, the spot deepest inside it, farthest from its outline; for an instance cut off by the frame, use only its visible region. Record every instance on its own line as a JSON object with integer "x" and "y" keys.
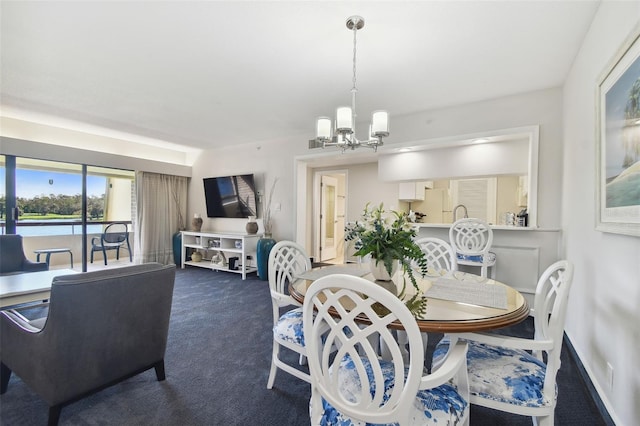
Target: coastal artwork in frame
{"x": 618, "y": 136}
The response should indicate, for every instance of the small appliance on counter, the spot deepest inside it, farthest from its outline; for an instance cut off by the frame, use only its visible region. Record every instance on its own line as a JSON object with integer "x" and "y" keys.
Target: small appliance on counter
{"x": 233, "y": 263}
{"x": 508, "y": 219}
{"x": 523, "y": 218}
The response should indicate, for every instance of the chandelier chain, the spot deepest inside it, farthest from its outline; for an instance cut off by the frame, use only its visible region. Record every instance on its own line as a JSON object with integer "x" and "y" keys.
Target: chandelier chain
{"x": 354, "y": 89}
{"x": 355, "y": 30}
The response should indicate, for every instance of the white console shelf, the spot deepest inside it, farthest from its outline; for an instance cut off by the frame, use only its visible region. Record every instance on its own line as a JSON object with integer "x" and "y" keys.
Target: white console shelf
{"x": 229, "y": 244}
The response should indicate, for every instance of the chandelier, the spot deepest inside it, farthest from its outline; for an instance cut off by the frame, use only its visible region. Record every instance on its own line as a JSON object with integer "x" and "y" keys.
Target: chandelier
{"x": 344, "y": 136}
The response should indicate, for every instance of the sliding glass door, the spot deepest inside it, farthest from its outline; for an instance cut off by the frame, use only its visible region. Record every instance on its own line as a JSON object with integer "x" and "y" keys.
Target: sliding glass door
{"x": 62, "y": 205}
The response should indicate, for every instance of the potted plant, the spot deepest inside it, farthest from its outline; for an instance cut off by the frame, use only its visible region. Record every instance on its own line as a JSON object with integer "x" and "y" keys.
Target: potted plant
{"x": 389, "y": 239}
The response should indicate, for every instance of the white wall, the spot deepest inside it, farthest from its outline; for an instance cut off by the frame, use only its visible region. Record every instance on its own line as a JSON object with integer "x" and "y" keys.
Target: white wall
{"x": 266, "y": 162}
{"x": 117, "y": 143}
{"x": 543, "y": 108}
{"x": 50, "y": 151}
{"x": 488, "y": 159}
{"x": 603, "y": 320}
{"x": 364, "y": 187}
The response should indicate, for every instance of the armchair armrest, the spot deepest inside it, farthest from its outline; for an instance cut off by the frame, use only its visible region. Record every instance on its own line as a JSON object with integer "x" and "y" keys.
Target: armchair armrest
{"x": 284, "y": 299}
{"x": 455, "y": 361}
{"x": 29, "y": 266}
{"x": 508, "y": 341}
{"x": 24, "y": 338}
{"x": 18, "y": 322}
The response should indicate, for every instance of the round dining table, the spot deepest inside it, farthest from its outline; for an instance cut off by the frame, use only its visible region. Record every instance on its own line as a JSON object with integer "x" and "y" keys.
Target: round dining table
{"x": 457, "y": 302}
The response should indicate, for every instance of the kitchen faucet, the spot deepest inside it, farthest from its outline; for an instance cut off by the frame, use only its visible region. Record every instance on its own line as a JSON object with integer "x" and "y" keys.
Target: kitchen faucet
{"x": 455, "y": 210}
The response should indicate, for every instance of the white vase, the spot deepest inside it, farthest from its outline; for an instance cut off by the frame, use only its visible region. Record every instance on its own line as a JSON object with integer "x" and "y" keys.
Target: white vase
{"x": 379, "y": 271}
{"x": 196, "y": 256}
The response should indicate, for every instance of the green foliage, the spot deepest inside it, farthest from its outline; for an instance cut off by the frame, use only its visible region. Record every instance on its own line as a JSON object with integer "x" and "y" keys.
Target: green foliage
{"x": 388, "y": 239}
{"x": 59, "y": 206}
{"x": 48, "y": 216}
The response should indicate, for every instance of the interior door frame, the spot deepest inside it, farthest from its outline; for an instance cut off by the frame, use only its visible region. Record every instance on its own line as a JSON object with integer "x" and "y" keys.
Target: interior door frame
{"x": 315, "y": 220}
{"x": 325, "y": 252}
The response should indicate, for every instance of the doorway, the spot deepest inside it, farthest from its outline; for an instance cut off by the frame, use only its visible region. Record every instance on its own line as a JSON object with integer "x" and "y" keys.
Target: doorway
{"x": 329, "y": 216}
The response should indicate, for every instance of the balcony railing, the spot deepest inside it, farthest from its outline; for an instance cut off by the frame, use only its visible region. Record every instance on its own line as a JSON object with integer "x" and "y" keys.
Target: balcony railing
{"x": 47, "y": 234}
{"x": 39, "y": 228}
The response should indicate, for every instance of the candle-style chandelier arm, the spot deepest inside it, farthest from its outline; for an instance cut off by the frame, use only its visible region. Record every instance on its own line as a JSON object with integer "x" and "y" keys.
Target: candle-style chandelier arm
{"x": 344, "y": 136}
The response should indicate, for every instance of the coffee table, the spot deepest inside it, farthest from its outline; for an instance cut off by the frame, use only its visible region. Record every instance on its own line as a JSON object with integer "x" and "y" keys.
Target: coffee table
{"x": 50, "y": 251}
{"x": 28, "y": 287}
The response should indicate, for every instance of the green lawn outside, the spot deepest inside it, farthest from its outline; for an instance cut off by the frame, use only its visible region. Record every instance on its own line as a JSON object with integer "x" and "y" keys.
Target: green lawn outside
{"x": 51, "y": 216}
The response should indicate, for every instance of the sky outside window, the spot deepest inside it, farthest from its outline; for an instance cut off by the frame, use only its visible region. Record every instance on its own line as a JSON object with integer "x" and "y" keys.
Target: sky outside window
{"x": 36, "y": 183}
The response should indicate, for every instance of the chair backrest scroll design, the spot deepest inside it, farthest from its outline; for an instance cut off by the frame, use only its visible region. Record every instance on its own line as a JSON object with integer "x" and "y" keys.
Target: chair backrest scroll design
{"x": 362, "y": 394}
{"x": 439, "y": 255}
{"x": 550, "y": 309}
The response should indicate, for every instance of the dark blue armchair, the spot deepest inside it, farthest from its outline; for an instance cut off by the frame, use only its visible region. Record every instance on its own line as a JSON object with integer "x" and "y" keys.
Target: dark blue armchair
{"x": 12, "y": 258}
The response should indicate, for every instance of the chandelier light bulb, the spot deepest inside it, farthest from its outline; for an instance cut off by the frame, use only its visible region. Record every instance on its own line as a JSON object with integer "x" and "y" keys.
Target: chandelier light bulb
{"x": 323, "y": 129}
{"x": 380, "y": 123}
{"x": 344, "y": 119}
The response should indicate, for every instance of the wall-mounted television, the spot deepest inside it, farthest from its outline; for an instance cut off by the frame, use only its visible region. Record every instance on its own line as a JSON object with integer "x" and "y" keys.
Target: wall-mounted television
{"x": 230, "y": 196}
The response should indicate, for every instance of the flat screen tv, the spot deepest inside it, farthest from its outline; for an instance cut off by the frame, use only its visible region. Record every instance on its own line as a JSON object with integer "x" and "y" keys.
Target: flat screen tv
{"x": 230, "y": 196}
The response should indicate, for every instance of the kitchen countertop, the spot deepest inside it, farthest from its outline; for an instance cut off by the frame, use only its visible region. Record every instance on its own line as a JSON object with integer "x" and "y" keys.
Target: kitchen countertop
{"x": 494, "y": 227}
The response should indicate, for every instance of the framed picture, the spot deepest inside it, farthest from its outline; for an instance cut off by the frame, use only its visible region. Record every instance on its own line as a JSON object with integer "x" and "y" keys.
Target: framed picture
{"x": 618, "y": 142}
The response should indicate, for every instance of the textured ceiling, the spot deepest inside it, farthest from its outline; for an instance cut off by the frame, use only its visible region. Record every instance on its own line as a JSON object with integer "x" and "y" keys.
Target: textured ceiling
{"x": 205, "y": 74}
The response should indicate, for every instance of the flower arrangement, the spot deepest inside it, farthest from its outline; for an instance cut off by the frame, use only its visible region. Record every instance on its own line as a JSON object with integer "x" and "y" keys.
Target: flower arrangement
{"x": 266, "y": 210}
{"x": 387, "y": 241}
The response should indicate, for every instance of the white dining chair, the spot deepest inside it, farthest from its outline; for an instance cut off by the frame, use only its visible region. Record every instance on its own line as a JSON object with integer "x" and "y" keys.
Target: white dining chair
{"x": 518, "y": 375}
{"x": 471, "y": 239}
{"x": 441, "y": 260}
{"x": 287, "y": 260}
{"x": 440, "y": 256}
{"x": 356, "y": 386}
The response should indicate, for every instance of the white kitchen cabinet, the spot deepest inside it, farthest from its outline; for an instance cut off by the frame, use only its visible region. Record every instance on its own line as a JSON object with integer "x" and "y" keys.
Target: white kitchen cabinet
{"x": 413, "y": 191}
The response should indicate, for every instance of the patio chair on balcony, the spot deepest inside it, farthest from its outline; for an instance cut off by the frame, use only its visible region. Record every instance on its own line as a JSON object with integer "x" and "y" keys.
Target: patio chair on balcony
{"x": 114, "y": 237}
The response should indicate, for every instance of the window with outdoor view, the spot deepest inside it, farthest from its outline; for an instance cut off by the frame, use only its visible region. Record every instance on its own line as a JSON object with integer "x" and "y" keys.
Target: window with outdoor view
{"x": 48, "y": 197}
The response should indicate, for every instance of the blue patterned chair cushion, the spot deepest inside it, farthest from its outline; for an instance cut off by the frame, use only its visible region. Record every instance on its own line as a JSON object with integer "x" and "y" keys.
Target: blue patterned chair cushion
{"x": 512, "y": 376}
{"x": 438, "y": 406}
{"x": 491, "y": 257}
{"x": 289, "y": 327}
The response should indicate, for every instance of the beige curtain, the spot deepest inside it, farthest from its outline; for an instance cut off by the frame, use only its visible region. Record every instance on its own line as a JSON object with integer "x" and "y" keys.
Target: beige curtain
{"x": 161, "y": 204}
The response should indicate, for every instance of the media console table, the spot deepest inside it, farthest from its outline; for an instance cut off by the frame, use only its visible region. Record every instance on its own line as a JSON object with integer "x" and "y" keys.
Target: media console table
{"x": 217, "y": 248}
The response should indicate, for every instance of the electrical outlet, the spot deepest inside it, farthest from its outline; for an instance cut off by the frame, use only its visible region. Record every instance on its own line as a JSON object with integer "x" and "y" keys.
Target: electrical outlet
{"x": 610, "y": 375}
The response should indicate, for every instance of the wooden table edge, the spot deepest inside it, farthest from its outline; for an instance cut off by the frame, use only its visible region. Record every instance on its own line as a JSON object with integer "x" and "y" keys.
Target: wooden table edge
{"x": 461, "y": 326}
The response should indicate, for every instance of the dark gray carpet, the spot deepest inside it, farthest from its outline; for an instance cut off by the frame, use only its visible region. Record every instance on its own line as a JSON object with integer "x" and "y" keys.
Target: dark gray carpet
{"x": 217, "y": 364}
